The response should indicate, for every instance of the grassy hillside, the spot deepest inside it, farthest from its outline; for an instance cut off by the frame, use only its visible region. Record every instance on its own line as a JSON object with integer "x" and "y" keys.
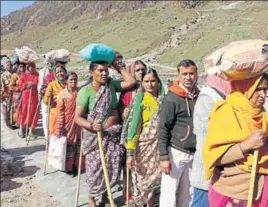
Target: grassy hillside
{"x": 149, "y": 30}
{"x": 218, "y": 29}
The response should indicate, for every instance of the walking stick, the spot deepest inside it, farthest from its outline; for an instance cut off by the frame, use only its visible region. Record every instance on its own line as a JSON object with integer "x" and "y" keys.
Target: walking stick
{"x": 105, "y": 171}
{"x": 28, "y": 111}
{"x": 47, "y": 140}
{"x": 252, "y": 178}
{"x": 35, "y": 113}
{"x": 253, "y": 175}
{"x": 79, "y": 172}
{"x": 127, "y": 187}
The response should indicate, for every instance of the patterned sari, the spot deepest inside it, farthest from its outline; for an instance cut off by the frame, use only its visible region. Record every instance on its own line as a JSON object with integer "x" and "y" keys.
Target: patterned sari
{"x": 111, "y": 144}
{"x": 146, "y": 173}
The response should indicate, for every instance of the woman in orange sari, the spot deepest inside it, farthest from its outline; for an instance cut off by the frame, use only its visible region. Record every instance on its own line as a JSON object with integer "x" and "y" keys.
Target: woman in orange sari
{"x": 16, "y": 93}
{"x": 65, "y": 125}
{"x": 52, "y": 91}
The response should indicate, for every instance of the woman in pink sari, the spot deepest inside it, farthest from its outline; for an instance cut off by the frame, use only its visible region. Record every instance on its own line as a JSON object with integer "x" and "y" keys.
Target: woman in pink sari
{"x": 65, "y": 125}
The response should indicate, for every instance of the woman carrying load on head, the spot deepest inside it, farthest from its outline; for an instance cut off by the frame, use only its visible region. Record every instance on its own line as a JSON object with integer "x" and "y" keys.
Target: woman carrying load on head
{"x": 29, "y": 100}
{"x": 52, "y": 91}
{"x": 16, "y": 93}
{"x": 237, "y": 127}
{"x": 96, "y": 110}
{"x": 140, "y": 129}
{"x": 65, "y": 125}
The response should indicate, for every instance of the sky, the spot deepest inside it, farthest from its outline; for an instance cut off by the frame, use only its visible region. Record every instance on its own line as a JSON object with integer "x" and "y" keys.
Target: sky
{"x": 10, "y": 6}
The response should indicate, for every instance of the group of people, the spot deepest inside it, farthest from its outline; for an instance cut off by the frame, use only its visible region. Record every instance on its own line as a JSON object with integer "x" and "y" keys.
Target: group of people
{"x": 18, "y": 87}
{"x": 193, "y": 146}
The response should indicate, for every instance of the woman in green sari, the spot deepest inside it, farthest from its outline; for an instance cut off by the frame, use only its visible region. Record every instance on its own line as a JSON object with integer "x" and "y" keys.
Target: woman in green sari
{"x": 140, "y": 129}
{"x": 97, "y": 102}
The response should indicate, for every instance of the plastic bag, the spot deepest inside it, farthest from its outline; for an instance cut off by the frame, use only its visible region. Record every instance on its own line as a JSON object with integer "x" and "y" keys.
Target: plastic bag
{"x": 57, "y": 152}
{"x": 61, "y": 55}
{"x": 98, "y": 52}
{"x": 26, "y": 55}
{"x": 239, "y": 60}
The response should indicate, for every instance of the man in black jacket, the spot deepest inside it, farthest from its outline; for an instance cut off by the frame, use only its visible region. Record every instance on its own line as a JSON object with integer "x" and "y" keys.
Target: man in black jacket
{"x": 176, "y": 139}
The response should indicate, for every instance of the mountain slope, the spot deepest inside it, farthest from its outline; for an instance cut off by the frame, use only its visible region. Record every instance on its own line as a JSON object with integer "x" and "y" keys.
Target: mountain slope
{"x": 162, "y": 32}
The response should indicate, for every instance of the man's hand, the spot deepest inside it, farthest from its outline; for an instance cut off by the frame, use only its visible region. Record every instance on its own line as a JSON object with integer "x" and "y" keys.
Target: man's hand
{"x": 165, "y": 167}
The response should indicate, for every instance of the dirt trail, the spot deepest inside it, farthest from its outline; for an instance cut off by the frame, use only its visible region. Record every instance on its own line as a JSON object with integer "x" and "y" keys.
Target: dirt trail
{"x": 29, "y": 194}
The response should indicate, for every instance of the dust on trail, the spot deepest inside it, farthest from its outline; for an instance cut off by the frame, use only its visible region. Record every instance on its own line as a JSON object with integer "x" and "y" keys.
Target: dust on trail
{"x": 23, "y": 192}
{"x": 17, "y": 186}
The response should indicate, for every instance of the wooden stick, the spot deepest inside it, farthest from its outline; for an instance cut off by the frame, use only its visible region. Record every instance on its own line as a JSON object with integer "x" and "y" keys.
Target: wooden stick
{"x": 11, "y": 113}
{"x": 47, "y": 140}
{"x": 127, "y": 187}
{"x": 79, "y": 172}
{"x": 105, "y": 171}
{"x": 35, "y": 113}
{"x": 28, "y": 111}
{"x": 252, "y": 178}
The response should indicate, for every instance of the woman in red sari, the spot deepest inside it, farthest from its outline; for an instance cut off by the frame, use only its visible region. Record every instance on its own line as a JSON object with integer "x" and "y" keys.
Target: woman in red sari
{"x": 29, "y": 100}
{"x": 65, "y": 125}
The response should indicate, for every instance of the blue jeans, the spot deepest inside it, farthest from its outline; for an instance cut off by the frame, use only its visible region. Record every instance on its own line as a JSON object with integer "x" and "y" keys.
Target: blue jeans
{"x": 200, "y": 198}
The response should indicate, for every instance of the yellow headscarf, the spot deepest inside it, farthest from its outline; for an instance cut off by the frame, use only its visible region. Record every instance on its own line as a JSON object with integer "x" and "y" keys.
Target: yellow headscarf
{"x": 231, "y": 122}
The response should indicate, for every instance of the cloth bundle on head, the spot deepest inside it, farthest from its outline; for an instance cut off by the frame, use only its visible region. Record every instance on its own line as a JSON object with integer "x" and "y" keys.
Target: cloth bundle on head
{"x": 239, "y": 60}
{"x": 98, "y": 52}
{"x": 26, "y": 55}
{"x": 231, "y": 122}
{"x": 61, "y": 55}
